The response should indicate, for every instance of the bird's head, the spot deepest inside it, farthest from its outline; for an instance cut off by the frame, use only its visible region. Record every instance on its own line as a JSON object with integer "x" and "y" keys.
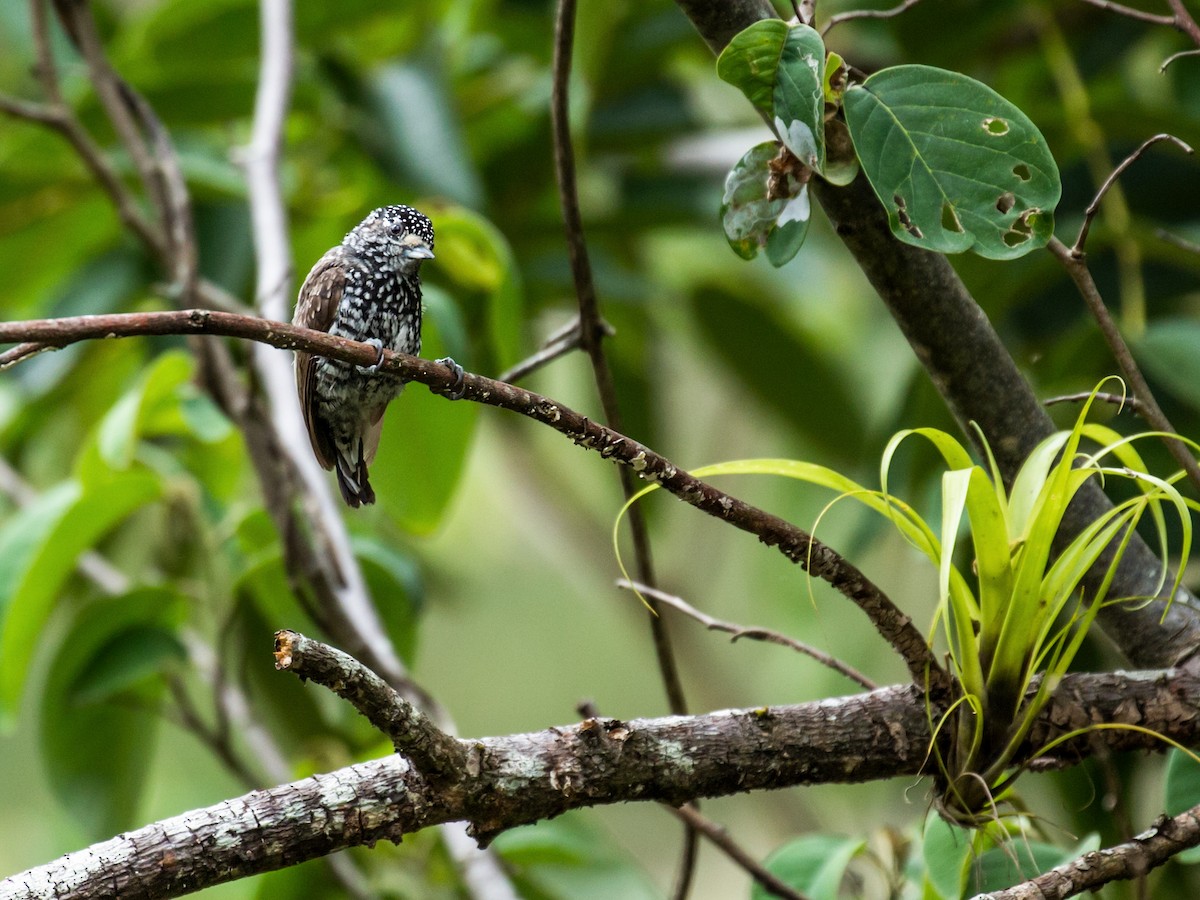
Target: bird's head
{"x": 398, "y": 237}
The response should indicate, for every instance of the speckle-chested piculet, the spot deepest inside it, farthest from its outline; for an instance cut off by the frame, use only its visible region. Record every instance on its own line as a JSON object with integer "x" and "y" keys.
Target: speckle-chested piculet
{"x": 368, "y": 288}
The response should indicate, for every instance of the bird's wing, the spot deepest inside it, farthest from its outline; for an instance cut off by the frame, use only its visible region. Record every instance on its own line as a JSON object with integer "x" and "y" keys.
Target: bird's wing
{"x": 316, "y": 308}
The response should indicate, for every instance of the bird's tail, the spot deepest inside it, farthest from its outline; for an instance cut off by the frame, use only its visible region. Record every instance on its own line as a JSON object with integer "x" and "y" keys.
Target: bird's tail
{"x": 352, "y": 478}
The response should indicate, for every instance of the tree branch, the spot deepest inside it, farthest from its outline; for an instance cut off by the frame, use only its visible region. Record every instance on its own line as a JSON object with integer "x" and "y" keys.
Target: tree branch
{"x": 436, "y": 754}
{"x": 794, "y": 543}
{"x": 519, "y": 779}
{"x": 752, "y": 632}
{"x": 1132, "y": 859}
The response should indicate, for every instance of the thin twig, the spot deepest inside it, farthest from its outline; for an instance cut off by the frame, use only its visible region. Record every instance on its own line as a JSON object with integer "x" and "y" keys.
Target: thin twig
{"x": 1174, "y": 56}
{"x": 1119, "y": 400}
{"x": 20, "y": 353}
{"x": 1131, "y": 13}
{"x": 1076, "y": 266}
{"x": 1094, "y": 206}
{"x": 558, "y": 343}
{"x": 753, "y": 632}
{"x": 114, "y": 96}
{"x": 868, "y": 14}
{"x": 793, "y": 542}
{"x": 438, "y": 755}
{"x": 1181, "y": 243}
{"x": 720, "y": 839}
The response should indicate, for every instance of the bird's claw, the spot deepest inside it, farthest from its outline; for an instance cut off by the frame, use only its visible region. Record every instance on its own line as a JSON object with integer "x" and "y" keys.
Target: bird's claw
{"x": 378, "y": 345}
{"x": 455, "y": 391}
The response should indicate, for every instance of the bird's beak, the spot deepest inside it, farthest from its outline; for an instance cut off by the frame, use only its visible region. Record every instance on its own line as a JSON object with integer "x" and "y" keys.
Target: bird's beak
{"x": 418, "y": 251}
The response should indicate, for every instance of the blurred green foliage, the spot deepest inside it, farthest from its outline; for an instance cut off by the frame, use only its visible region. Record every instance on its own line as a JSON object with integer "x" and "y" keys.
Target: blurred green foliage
{"x": 488, "y": 552}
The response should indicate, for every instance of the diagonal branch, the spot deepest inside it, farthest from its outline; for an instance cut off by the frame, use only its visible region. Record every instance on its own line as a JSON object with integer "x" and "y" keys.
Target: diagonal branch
{"x": 793, "y": 542}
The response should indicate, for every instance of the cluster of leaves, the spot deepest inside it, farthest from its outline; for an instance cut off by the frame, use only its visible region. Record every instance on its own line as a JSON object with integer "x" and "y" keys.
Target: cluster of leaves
{"x": 956, "y": 166}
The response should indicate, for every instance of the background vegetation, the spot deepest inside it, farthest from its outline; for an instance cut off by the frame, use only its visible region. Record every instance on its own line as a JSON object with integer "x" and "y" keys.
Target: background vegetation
{"x": 489, "y": 551}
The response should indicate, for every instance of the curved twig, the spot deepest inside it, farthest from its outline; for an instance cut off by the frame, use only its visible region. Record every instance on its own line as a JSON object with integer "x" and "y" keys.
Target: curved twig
{"x": 753, "y": 632}
{"x": 1094, "y": 206}
{"x": 853, "y": 14}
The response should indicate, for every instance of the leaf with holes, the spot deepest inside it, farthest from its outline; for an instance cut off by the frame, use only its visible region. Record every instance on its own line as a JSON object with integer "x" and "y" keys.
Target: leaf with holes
{"x": 754, "y": 216}
{"x": 956, "y": 166}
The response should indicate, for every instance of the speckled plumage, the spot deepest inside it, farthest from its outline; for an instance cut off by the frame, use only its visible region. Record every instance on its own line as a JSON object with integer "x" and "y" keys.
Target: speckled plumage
{"x": 367, "y": 288}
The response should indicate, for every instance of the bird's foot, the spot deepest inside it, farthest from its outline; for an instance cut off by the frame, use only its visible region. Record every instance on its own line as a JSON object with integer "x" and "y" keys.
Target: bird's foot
{"x": 455, "y": 391}
{"x": 378, "y": 345}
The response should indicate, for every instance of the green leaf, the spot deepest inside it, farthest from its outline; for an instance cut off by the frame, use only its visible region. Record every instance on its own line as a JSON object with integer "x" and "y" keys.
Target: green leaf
{"x": 125, "y": 662}
{"x": 1169, "y": 351}
{"x": 394, "y": 580}
{"x": 791, "y": 228}
{"x": 97, "y": 752}
{"x": 570, "y": 858}
{"x": 752, "y": 220}
{"x": 750, "y": 60}
{"x": 814, "y": 864}
{"x": 1021, "y": 859}
{"x": 423, "y": 450}
{"x": 781, "y": 70}
{"x": 39, "y": 547}
{"x": 956, "y": 166}
{"x": 746, "y": 214}
{"x": 944, "y": 849}
{"x": 473, "y": 253}
{"x": 799, "y": 97}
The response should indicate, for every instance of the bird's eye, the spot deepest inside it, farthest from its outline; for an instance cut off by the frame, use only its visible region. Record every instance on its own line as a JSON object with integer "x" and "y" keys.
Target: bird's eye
{"x": 397, "y": 229}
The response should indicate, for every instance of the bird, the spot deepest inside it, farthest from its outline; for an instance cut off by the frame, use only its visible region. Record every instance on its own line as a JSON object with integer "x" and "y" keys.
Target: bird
{"x": 367, "y": 288}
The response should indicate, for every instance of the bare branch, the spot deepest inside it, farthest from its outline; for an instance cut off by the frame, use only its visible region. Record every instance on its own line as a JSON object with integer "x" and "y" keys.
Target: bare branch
{"x": 720, "y": 839}
{"x": 853, "y": 14}
{"x": 753, "y": 632}
{"x": 1118, "y": 400}
{"x": 1076, "y": 266}
{"x": 436, "y": 754}
{"x": 1177, "y": 56}
{"x": 559, "y": 343}
{"x": 1094, "y": 206}
{"x": 794, "y": 543}
{"x": 1129, "y": 12}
